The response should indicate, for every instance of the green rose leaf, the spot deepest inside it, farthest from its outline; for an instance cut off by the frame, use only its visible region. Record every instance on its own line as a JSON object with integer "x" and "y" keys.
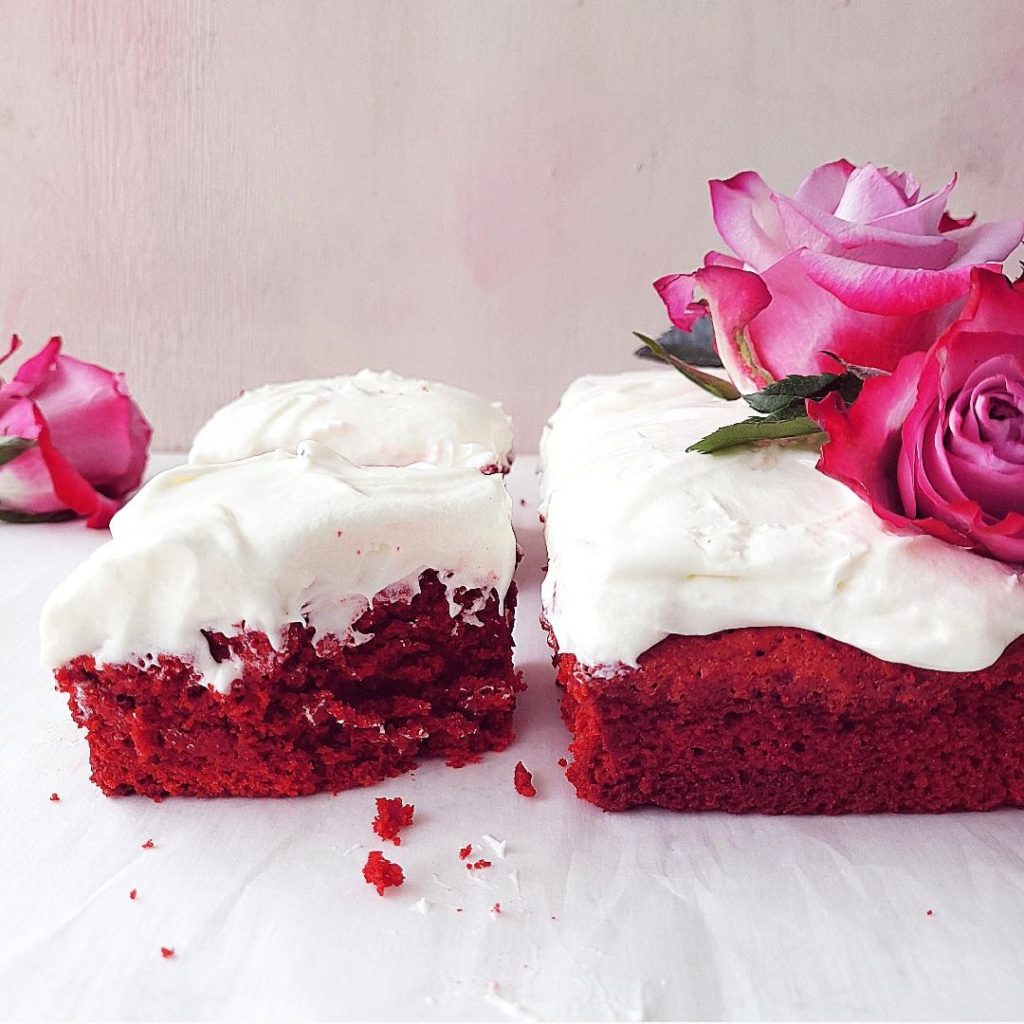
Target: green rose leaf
{"x": 7, "y": 516}
{"x": 717, "y": 386}
{"x": 783, "y": 405}
{"x": 795, "y": 390}
{"x": 756, "y": 428}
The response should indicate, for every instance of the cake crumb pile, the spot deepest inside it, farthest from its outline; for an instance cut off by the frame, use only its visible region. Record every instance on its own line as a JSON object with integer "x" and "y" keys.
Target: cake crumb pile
{"x": 392, "y": 816}
{"x": 524, "y": 781}
{"x": 382, "y": 873}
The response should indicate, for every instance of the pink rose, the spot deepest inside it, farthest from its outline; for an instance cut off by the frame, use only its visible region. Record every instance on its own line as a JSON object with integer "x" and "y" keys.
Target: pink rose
{"x": 939, "y": 444}
{"x": 854, "y": 262}
{"x": 72, "y": 441}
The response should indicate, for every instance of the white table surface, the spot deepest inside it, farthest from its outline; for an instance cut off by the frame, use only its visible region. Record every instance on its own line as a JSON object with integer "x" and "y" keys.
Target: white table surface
{"x": 643, "y": 915}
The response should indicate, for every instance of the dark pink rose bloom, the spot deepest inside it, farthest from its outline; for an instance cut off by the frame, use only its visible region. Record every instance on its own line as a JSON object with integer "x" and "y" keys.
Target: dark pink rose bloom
{"x": 72, "y": 440}
{"x": 939, "y": 444}
{"x": 855, "y": 262}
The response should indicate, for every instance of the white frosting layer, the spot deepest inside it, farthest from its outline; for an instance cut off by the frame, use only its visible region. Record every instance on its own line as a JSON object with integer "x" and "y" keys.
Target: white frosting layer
{"x": 645, "y": 540}
{"x": 271, "y": 540}
{"x": 375, "y": 419}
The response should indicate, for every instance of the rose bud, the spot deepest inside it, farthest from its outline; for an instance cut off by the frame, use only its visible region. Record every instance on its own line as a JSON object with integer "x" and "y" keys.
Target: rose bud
{"x": 72, "y": 440}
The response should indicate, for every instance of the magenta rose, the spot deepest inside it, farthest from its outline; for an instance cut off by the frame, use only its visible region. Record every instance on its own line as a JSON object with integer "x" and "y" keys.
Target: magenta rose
{"x": 855, "y": 262}
{"x": 939, "y": 444}
{"x": 72, "y": 440}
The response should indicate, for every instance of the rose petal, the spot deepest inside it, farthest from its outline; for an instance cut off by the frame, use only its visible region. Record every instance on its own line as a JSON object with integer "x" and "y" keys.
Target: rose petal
{"x": 1003, "y": 539}
{"x": 677, "y": 292}
{"x": 863, "y": 439}
{"x": 11, "y": 349}
{"x": 922, "y": 218}
{"x": 721, "y": 259}
{"x": 904, "y": 181}
{"x": 35, "y": 370}
{"x": 70, "y": 486}
{"x": 823, "y": 188}
{"x": 994, "y": 305}
{"x": 804, "y": 321}
{"x": 889, "y": 291}
{"x": 746, "y": 218}
{"x": 986, "y": 243}
{"x": 818, "y": 232}
{"x": 734, "y": 297}
{"x": 40, "y": 481}
{"x": 26, "y": 488}
{"x": 950, "y": 223}
{"x": 872, "y": 192}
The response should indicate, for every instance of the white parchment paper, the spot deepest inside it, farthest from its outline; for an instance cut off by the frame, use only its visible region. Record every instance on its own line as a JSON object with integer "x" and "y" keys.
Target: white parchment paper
{"x": 644, "y": 915}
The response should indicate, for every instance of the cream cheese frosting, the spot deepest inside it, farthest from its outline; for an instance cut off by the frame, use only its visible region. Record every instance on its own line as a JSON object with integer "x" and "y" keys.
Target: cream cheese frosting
{"x": 375, "y": 419}
{"x": 270, "y": 540}
{"x": 646, "y": 540}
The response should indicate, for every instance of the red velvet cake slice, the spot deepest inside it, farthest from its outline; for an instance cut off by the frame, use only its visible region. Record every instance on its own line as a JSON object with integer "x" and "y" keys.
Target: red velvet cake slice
{"x": 739, "y": 632}
{"x": 290, "y": 623}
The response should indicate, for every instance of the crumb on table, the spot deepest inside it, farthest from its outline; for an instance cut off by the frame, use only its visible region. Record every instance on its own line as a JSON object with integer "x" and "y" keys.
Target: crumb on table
{"x": 382, "y": 873}
{"x": 524, "y": 780}
{"x": 392, "y": 816}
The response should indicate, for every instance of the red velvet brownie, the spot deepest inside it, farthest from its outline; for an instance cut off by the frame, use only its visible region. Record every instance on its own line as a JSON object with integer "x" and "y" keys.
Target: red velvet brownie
{"x": 739, "y": 632}
{"x": 288, "y": 624}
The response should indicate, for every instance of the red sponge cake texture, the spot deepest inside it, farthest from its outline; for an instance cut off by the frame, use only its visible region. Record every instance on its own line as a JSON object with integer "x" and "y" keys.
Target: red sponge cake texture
{"x": 314, "y": 715}
{"x": 786, "y": 721}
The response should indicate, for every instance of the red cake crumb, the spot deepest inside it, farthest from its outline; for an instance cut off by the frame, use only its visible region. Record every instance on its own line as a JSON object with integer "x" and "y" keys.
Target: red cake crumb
{"x": 133, "y": 894}
{"x": 478, "y": 865}
{"x": 392, "y": 815}
{"x": 148, "y": 844}
{"x": 524, "y": 781}
{"x": 382, "y": 873}
{"x": 782, "y": 720}
{"x": 55, "y": 798}
{"x": 496, "y": 909}
{"x": 309, "y": 712}
{"x": 562, "y": 763}
{"x": 465, "y": 851}
{"x": 167, "y": 952}
{"x": 929, "y": 913}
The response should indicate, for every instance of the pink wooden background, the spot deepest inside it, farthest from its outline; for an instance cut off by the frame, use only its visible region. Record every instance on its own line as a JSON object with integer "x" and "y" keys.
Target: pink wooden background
{"x": 215, "y": 193}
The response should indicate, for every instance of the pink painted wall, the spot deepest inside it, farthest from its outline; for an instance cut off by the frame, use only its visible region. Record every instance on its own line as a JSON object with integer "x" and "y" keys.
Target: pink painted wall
{"x": 215, "y": 194}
